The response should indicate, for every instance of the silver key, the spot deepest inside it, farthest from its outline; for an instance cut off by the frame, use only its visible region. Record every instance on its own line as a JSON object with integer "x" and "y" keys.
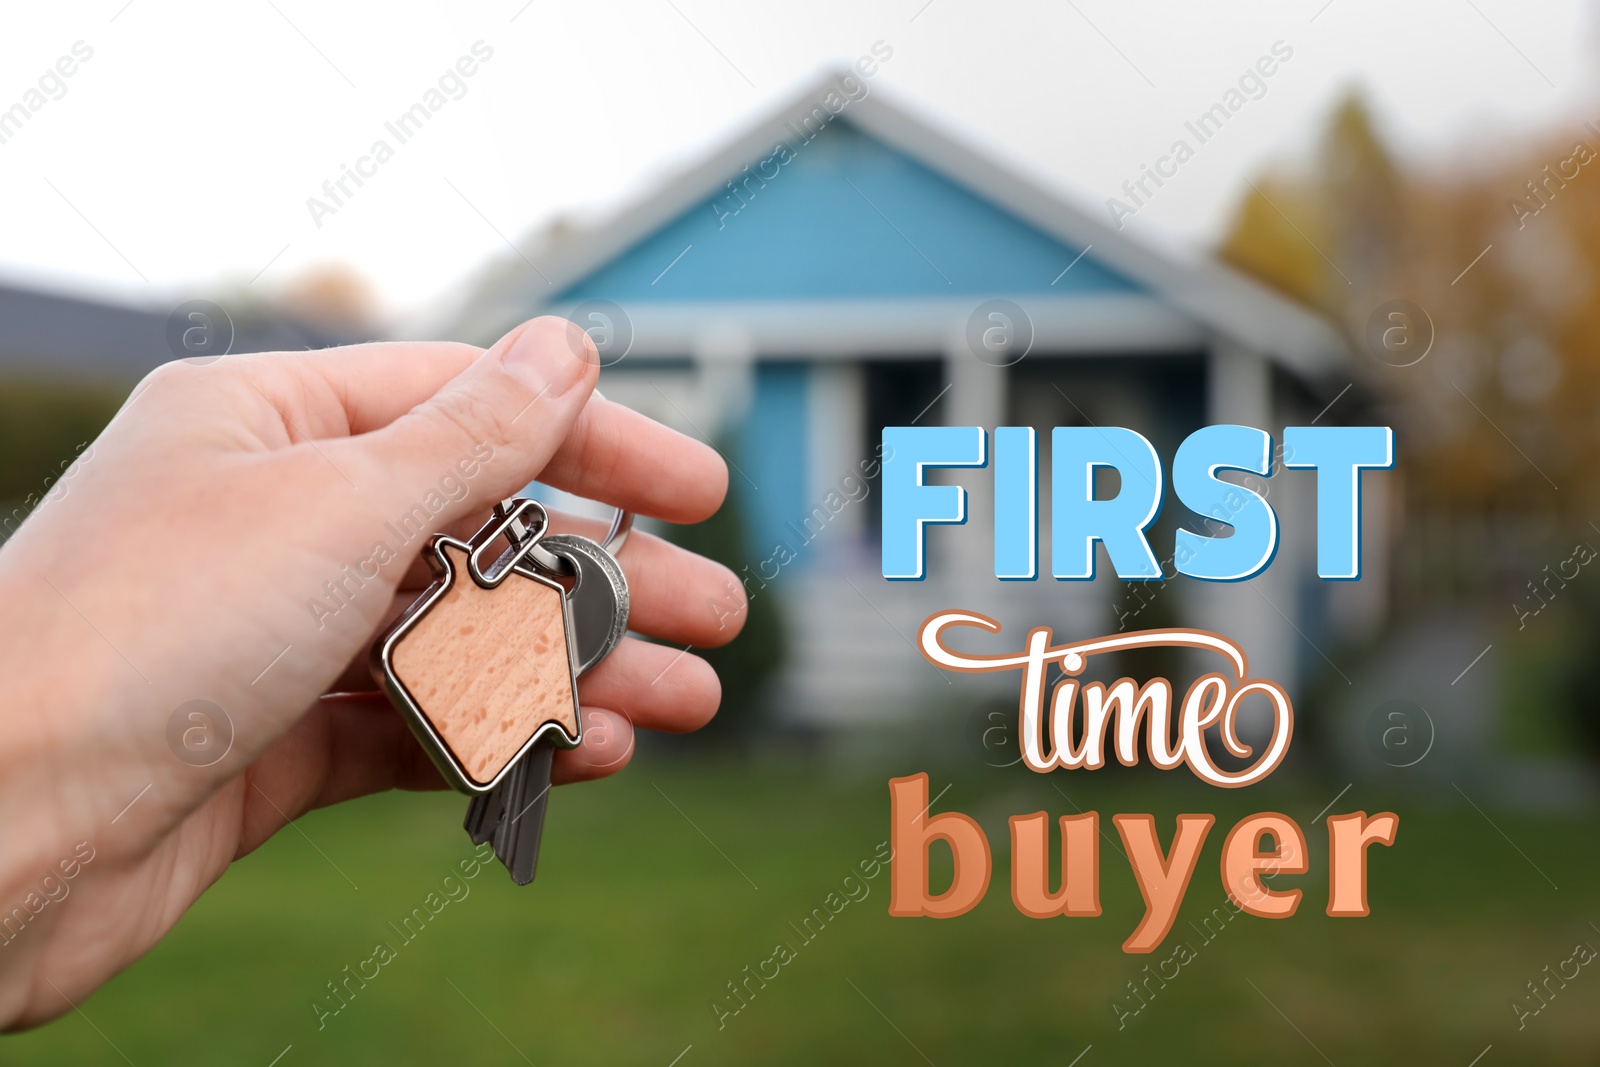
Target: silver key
{"x": 599, "y": 597}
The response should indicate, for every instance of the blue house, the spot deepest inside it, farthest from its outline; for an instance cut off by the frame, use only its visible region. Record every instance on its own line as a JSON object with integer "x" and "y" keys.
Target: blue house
{"x": 846, "y": 264}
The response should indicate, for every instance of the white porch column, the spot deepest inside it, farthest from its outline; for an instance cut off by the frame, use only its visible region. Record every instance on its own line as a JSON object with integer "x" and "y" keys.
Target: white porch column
{"x": 836, "y": 445}
{"x": 1238, "y": 386}
{"x": 724, "y": 357}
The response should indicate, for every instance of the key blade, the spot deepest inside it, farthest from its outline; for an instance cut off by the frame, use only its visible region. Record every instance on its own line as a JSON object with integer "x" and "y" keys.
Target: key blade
{"x": 526, "y": 817}
{"x": 510, "y": 790}
{"x": 483, "y": 815}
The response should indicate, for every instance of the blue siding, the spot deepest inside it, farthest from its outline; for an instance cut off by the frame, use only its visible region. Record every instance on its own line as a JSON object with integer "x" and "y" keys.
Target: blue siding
{"x": 772, "y": 453}
{"x": 845, "y": 217}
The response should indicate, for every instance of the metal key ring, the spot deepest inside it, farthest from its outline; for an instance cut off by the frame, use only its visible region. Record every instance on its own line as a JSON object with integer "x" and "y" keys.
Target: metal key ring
{"x": 615, "y": 538}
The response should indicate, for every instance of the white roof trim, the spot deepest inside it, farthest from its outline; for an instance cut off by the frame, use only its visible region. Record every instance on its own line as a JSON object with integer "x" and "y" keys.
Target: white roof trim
{"x": 1087, "y": 324}
{"x": 1218, "y": 298}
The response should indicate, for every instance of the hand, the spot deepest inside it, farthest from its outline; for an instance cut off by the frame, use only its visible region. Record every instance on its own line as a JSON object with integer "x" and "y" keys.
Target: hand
{"x": 182, "y": 558}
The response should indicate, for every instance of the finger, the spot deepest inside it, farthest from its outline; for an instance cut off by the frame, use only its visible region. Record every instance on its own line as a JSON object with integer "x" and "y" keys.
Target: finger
{"x": 657, "y": 686}
{"x": 378, "y": 383}
{"x": 619, "y": 457}
{"x": 370, "y": 750}
{"x": 628, "y": 460}
{"x": 344, "y": 747}
{"x": 612, "y": 454}
{"x": 680, "y": 596}
{"x": 606, "y": 748}
{"x": 355, "y": 745}
{"x": 490, "y": 429}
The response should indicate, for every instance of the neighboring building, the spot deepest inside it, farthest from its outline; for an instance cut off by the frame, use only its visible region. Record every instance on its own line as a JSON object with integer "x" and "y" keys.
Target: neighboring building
{"x": 55, "y": 337}
{"x": 829, "y": 273}
{"x": 66, "y": 362}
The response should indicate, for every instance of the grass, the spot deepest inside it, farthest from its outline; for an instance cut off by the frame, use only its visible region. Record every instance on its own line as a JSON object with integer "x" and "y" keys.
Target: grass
{"x": 659, "y": 887}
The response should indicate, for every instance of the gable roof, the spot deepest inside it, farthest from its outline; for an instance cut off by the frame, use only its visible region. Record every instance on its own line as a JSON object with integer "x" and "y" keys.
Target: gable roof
{"x": 832, "y": 213}
{"x": 1216, "y": 298}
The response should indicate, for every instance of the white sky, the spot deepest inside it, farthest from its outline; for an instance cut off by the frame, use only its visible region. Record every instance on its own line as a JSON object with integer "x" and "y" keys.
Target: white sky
{"x": 193, "y": 137}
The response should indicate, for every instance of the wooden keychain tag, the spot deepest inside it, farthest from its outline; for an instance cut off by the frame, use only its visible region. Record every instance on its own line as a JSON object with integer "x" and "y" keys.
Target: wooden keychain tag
{"x": 481, "y": 664}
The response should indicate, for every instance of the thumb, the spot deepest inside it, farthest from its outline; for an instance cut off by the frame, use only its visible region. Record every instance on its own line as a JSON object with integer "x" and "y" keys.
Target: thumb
{"x": 490, "y": 430}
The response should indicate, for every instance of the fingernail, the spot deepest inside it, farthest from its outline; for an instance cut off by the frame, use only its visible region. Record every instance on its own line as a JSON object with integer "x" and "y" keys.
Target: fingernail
{"x": 541, "y": 355}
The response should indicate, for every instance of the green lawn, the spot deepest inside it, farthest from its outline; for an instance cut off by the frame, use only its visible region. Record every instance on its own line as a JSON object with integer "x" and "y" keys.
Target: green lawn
{"x": 647, "y": 906}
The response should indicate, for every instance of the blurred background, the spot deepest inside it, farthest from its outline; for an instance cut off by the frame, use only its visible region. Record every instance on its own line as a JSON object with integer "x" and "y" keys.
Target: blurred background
{"x": 785, "y": 229}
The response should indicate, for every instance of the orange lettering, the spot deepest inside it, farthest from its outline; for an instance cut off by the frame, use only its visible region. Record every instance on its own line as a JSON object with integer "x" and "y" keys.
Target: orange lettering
{"x": 1080, "y": 865}
{"x": 1348, "y": 838}
{"x": 1243, "y": 860}
{"x": 1162, "y": 879}
{"x": 912, "y": 831}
